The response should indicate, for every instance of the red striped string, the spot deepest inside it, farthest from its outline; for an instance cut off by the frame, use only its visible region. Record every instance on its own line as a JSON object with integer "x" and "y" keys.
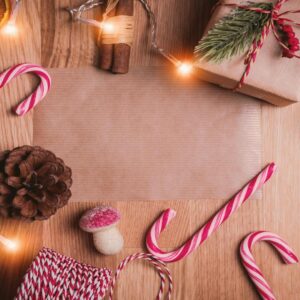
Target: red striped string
{"x": 275, "y": 16}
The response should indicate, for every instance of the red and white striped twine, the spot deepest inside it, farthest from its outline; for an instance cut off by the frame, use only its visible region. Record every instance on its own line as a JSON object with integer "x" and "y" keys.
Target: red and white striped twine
{"x": 211, "y": 226}
{"x": 254, "y": 272}
{"x": 55, "y": 276}
{"x": 160, "y": 266}
{"x": 38, "y": 95}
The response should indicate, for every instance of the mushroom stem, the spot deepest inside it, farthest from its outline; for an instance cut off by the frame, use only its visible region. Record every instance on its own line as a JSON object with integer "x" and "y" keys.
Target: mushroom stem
{"x": 108, "y": 241}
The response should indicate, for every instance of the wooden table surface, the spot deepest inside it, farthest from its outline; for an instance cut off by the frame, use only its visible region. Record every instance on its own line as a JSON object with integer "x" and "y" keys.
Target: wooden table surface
{"x": 212, "y": 272}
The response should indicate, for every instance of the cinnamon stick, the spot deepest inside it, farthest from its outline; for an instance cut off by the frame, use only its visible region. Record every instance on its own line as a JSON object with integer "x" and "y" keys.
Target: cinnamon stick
{"x": 121, "y": 54}
{"x": 106, "y": 50}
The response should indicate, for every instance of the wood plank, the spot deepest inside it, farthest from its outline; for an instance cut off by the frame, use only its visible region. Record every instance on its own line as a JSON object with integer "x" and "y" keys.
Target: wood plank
{"x": 16, "y": 131}
{"x": 280, "y": 208}
{"x": 65, "y": 43}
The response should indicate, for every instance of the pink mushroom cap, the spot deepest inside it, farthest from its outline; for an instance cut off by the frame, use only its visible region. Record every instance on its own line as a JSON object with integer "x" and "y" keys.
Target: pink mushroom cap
{"x": 99, "y": 218}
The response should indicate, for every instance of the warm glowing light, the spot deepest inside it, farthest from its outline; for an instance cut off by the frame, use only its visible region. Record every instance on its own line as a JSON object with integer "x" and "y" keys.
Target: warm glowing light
{"x": 9, "y": 244}
{"x": 185, "y": 69}
{"x": 107, "y": 27}
{"x": 12, "y": 245}
{"x": 10, "y": 29}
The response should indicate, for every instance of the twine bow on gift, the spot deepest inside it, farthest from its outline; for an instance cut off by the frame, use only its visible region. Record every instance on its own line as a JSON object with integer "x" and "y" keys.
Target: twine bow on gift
{"x": 278, "y": 24}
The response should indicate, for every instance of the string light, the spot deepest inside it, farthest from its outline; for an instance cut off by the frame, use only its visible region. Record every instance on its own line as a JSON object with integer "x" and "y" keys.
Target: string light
{"x": 9, "y": 244}
{"x": 107, "y": 27}
{"x": 11, "y": 28}
{"x": 183, "y": 68}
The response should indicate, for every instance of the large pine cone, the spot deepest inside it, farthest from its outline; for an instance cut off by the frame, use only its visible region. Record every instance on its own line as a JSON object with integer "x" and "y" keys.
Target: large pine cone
{"x": 34, "y": 183}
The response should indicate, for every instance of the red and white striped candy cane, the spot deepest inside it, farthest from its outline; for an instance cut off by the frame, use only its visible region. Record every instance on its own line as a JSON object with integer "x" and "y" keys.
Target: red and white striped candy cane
{"x": 160, "y": 266}
{"x": 32, "y": 100}
{"x": 211, "y": 226}
{"x": 254, "y": 272}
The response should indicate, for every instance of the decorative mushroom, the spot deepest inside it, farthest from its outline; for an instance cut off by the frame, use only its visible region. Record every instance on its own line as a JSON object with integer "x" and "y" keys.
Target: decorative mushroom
{"x": 102, "y": 223}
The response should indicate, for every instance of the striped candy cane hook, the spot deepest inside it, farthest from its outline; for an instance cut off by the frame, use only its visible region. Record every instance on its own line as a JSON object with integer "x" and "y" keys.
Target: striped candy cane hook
{"x": 254, "y": 272}
{"x": 160, "y": 266}
{"x": 211, "y": 226}
{"x": 38, "y": 95}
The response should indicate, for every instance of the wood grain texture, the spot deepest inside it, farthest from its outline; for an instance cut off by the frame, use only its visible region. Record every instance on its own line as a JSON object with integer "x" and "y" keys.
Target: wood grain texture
{"x": 211, "y": 272}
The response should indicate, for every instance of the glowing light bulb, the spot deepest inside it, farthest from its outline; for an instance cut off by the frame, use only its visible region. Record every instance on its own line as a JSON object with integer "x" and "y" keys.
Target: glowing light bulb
{"x": 185, "y": 69}
{"x": 10, "y": 29}
{"x": 12, "y": 245}
{"x": 9, "y": 244}
{"x": 107, "y": 27}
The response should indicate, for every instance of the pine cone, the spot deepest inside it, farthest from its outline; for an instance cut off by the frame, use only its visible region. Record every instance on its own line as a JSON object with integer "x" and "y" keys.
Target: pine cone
{"x": 34, "y": 183}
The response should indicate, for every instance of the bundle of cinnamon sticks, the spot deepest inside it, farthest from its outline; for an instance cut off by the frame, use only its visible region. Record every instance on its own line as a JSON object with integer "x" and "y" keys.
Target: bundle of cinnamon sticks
{"x": 115, "y": 57}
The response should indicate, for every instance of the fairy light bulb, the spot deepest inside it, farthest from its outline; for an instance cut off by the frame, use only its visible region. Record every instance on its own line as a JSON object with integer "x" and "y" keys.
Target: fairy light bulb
{"x": 10, "y": 29}
{"x": 108, "y": 27}
{"x": 9, "y": 244}
{"x": 185, "y": 68}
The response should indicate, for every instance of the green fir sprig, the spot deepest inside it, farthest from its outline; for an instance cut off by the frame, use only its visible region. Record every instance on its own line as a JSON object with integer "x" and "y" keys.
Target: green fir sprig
{"x": 233, "y": 34}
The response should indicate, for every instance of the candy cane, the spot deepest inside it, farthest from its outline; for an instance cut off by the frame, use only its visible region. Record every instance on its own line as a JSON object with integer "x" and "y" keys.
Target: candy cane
{"x": 254, "y": 272}
{"x": 40, "y": 92}
{"x": 160, "y": 266}
{"x": 211, "y": 226}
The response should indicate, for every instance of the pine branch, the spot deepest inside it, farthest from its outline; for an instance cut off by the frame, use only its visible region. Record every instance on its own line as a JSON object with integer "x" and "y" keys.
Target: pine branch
{"x": 233, "y": 34}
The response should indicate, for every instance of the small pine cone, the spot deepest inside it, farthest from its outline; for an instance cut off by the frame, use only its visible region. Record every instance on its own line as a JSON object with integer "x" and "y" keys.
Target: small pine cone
{"x": 34, "y": 183}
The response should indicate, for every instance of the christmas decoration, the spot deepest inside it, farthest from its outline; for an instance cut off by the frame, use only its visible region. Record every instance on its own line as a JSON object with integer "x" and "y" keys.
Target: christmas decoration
{"x": 106, "y": 50}
{"x": 244, "y": 31}
{"x": 160, "y": 266}
{"x": 211, "y": 226}
{"x": 117, "y": 28}
{"x": 117, "y": 31}
{"x": 55, "y": 276}
{"x": 38, "y": 95}
{"x": 254, "y": 272}
{"x": 102, "y": 222}
{"x": 9, "y": 244}
{"x": 227, "y": 38}
{"x": 34, "y": 183}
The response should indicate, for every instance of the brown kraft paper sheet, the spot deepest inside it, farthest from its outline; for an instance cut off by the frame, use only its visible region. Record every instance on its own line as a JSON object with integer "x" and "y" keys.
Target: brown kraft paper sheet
{"x": 149, "y": 135}
{"x": 272, "y": 78}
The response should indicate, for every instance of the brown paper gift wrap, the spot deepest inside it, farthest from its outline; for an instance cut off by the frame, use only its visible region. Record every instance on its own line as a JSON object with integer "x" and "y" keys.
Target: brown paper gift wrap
{"x": 149, "y": 135}
{"x": 272, "y": 78}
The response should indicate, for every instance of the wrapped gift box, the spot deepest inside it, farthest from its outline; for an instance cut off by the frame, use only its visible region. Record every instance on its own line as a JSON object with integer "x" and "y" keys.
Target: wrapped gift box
{"x": 272, "y": 78}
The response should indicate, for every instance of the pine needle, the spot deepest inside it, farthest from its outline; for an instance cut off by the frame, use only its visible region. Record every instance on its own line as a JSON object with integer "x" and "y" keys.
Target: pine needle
{"x": 233, "y": 34}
